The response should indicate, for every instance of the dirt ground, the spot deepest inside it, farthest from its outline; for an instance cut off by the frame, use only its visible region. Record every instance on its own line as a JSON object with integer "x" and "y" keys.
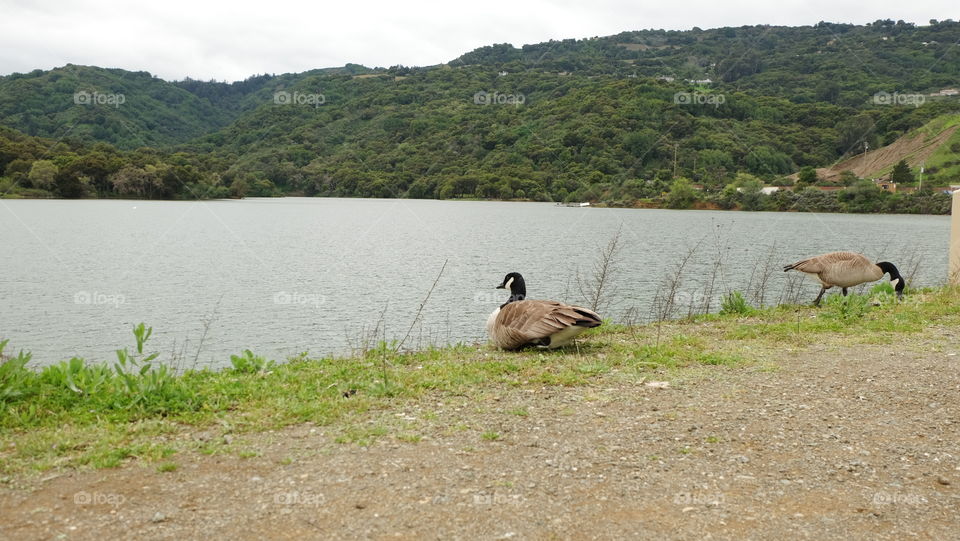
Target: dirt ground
{"x": 857, "y": 443}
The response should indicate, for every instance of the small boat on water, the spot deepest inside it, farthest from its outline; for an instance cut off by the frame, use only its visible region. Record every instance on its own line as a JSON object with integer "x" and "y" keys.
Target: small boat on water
{"x": 586, "y": 204}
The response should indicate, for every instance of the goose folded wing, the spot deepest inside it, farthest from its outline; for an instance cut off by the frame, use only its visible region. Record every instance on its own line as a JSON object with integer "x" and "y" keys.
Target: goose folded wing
{"x": 527, "y": 321}
{"x": 833, "y": 260}
{"x": 813, "y": 266}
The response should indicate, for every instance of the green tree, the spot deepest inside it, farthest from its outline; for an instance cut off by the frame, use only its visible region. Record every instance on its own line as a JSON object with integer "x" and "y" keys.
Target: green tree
{"x": 901, "y": 173}
{"x": 682, "y": 194}
{"x": 807, "y": 176}
{"x": 766, "y": 161}
{"x": 749, "y": 187}
{"x": 43, "y": 174}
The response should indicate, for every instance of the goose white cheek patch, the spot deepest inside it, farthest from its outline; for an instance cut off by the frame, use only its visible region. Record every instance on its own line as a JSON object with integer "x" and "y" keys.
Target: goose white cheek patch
{"x": 508, "y": 284}
{"x": 894, "y": 282}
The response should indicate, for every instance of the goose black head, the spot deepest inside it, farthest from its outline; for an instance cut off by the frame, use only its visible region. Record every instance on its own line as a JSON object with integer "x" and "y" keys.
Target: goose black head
{"x": 518, "y": 288}
{"x": 898, "y": 282}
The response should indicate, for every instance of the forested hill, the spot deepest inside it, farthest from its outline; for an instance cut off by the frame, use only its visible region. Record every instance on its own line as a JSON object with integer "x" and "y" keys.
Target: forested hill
{"x": 615, "y": 118}
{"x": 832, "y": 63}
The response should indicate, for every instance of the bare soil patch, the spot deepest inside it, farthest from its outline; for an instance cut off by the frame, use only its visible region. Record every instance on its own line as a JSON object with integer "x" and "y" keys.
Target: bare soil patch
{"x": 914, "y": 149}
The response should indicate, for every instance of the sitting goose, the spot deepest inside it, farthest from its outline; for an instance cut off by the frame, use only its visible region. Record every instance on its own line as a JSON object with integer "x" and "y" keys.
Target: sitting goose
{"x": 847, "y": 269}
{"x": 519, "y": 322}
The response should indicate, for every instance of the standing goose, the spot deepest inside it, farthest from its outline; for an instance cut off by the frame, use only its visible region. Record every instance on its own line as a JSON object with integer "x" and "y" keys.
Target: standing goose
{"x": 847, "y": 269}
{"x": 519, "y": 322}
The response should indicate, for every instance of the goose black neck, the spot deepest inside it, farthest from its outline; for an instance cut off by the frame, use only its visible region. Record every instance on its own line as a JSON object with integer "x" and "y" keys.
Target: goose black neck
{"x": 891, "y": 269}
{"x": 518, "y": 290}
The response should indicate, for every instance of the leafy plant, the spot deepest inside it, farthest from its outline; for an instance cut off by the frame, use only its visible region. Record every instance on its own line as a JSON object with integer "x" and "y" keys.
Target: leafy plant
{"x": 248, "y": 363}
{"x": 79, "y": 378}
{"x": 15, "y": 379}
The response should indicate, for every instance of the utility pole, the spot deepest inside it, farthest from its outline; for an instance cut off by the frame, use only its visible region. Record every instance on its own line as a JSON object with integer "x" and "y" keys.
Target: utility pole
{"x": 920, "y": 188}
{"x": 675, "y": 146}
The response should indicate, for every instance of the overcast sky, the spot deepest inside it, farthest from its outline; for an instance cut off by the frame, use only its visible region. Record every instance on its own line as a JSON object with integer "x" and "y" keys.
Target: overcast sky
{"x": 228, "y": 41}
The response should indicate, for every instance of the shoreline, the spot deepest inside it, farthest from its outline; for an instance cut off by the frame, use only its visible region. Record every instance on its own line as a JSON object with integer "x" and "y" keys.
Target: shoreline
{"x": 93, "y": 403}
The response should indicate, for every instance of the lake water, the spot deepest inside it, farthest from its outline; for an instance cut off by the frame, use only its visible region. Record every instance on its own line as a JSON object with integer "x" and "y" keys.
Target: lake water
{"x": 284, "y": 276}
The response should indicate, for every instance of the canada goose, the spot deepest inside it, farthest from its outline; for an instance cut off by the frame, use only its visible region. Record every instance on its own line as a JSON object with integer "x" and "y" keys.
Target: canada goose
{"x": 847, "y": 269}
{"x": 520, "y": 322}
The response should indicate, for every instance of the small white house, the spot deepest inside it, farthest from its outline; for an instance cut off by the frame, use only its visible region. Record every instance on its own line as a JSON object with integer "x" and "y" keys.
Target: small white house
{"x": 947, "y": 92}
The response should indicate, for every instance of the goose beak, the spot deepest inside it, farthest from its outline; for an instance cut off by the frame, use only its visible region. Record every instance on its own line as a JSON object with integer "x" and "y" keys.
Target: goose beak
{"x": 898, "y": 285}
{"x": 501, "y": 286}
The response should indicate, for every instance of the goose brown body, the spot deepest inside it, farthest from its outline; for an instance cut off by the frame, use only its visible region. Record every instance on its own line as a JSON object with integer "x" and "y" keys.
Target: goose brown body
{"x": 521, "y": 322}
{"x": 844, "y": 270}
{"x": 538, "y": 323}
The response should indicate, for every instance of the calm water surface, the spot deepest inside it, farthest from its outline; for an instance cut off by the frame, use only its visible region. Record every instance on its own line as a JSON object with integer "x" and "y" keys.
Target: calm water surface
{"x": 284, "y": 276}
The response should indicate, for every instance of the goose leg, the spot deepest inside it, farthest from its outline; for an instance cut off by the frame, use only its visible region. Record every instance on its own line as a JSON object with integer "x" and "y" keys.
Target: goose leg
{"x": 820, "y": 296}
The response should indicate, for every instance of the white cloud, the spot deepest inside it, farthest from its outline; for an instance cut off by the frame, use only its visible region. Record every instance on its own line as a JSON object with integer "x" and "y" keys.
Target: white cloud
{"x": 233, "y": 40}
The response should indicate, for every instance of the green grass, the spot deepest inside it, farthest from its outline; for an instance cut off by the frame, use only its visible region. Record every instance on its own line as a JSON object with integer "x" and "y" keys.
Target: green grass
{"x": 78, "y": 415}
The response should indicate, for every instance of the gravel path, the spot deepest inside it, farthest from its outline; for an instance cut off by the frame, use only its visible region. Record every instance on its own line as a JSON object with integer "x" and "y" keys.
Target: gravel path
{"x": 822, "y": 444}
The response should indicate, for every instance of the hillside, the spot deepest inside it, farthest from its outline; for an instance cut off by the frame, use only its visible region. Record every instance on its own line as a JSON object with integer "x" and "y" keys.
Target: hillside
{"x": 137, "y": 109}
{"x": 936, "y": 145}
{"x": 828, "y": 62}
{"x": 613, "y": 119}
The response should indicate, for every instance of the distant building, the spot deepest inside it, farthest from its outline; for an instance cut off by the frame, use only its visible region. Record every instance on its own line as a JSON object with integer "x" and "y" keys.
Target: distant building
{"x": 947, "y": 92}
{"x": 886, "y": 185}
{"x": 769, "y": 190}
